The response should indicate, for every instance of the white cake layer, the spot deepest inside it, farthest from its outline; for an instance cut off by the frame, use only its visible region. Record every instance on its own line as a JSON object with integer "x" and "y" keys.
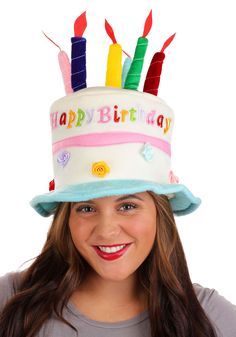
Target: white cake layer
{"x": 111, "y": 115}
{"x": 124, "y": 161}
{"x": 141, "y": 112}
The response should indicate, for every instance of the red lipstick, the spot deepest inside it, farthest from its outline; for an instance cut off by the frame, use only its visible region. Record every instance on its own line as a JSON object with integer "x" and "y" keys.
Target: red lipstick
{"x": 111, "y": 256}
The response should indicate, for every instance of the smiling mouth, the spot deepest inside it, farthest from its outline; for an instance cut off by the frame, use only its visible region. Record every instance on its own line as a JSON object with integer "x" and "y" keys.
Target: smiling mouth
{"x": 111, "y": 249}
{"x": 111, "y": 252}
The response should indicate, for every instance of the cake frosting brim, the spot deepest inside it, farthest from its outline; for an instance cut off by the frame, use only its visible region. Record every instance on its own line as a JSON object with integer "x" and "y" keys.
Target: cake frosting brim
{"x": 181, "y": 199}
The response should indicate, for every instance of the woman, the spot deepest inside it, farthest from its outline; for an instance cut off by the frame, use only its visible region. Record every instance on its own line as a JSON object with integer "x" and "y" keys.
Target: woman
{"x": 113, "y": 263}
{"x": 78, "y": 285}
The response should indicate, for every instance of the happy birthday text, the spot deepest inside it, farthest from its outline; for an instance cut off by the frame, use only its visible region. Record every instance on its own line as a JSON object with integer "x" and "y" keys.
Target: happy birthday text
{"x": 107, "y": 114}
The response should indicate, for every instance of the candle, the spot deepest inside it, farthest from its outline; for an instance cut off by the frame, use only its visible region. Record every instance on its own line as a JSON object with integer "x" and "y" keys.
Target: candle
{"x": 65, "y": 67}
{"x": 125, "y": 69}
{"x": 78, "y": 54}
{"x": 153, "y": 76}
{"x": 134, "y": 74}
{"x": 114, "y": 60}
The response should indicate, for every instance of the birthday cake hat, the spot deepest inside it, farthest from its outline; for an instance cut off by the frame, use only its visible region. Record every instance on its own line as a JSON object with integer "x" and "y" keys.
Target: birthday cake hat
{"x": 112, "y": 140}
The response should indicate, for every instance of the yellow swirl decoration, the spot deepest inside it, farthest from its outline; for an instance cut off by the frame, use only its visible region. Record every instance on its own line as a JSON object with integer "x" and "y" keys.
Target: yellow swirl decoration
{"x": 100, "y": 169}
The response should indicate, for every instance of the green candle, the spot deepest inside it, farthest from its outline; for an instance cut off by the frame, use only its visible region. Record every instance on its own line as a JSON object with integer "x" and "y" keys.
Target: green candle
{"x": 134, "y": 74}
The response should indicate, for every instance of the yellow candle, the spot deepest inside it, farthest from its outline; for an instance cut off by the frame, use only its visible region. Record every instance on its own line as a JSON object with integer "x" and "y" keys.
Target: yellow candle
{"x": 114, "y": 66}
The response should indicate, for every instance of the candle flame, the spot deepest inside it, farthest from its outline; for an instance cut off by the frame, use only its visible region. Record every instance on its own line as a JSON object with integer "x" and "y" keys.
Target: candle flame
{"x": 111, "y": 34}
{"x": 52, "y": 41}
{"x": 148, "y": 25}
{"x": 167, "y": 43}
{"x": 80, "y": 25}
{"x": 110, "y": 31}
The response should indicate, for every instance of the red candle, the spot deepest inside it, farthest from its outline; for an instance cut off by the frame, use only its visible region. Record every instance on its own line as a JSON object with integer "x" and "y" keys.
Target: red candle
{"x": 153, "y": 76}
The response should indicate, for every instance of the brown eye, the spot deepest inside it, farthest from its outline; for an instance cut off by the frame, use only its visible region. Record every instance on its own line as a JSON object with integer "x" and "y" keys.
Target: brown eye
{"x": 85, "y": 209}
{"x": 127, "y": 207}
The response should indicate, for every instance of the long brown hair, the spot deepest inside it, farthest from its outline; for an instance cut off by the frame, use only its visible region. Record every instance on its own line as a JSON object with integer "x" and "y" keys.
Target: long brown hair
{"x": 46, "y": 286}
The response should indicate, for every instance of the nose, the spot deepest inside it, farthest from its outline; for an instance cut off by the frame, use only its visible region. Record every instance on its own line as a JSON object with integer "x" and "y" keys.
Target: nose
{"x": 107, "y": 228}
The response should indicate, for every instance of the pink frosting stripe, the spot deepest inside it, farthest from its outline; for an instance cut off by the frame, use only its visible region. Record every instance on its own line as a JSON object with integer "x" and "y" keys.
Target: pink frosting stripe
{"x": 111, "y": 138}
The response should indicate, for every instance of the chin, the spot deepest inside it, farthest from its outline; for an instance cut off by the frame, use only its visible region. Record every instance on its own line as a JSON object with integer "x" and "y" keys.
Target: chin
{"x": 115, "y": 275}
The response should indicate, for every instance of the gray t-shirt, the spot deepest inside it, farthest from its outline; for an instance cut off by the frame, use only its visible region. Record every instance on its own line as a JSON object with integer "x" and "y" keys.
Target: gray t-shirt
{"x": 220, "y": 312}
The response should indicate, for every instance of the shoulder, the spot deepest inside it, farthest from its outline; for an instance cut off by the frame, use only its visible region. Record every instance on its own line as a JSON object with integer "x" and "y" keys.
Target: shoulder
{"x": 8, "y": 287}
{"x": 219, "y": 310}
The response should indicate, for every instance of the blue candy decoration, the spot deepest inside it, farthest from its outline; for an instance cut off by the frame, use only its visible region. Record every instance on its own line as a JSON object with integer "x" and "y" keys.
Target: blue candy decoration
{"x": 147, "y": 152}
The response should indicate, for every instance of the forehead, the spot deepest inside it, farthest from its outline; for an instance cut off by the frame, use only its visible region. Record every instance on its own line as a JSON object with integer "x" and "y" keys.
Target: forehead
{"x": 142, "y": 196}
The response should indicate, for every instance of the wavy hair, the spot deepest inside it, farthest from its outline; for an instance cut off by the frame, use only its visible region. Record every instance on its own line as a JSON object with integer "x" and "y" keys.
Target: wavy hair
{"x": 47, "y": 285}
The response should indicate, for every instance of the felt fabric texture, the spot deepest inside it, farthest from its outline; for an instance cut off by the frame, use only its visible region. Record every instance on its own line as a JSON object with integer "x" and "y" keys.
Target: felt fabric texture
{"x": 125, "y": 69}
{"x": 65, "y": 67}
{"x": 78, "y": 63}
{"x": 152, "y": 81}
{"x": 134, "y": 74}
{"x": 114, "y": 66}
{"x": 181, "y": 199}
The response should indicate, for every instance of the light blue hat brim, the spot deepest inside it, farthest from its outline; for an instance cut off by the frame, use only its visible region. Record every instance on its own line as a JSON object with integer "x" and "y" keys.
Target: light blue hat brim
{"x": 181, "y": 199}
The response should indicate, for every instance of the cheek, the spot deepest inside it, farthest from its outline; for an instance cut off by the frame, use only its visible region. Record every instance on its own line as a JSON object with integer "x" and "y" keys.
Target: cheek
{"x": 79, "y": 230}
{"x": 144, "y": 228}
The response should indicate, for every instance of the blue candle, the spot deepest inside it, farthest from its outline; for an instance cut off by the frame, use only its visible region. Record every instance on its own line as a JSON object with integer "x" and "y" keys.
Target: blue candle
{"x": 78, "y": 54}
{"x": 78, "y": 63}
{"x": 125, "y": 69}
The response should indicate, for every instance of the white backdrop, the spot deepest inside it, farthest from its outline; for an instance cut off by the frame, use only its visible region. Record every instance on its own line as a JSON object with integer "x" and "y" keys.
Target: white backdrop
{"x": 198, "y": 82}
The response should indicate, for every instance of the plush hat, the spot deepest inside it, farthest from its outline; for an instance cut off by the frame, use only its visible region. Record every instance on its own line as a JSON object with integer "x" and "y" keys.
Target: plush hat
{"x": 112, "y": 140}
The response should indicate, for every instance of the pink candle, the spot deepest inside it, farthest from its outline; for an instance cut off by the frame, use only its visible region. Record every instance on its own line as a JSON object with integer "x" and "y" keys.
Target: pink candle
{"x": 65, "y": 67}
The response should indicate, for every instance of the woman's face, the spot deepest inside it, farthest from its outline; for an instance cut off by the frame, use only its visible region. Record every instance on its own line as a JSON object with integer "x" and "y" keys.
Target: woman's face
{"x": 114, "y": 234}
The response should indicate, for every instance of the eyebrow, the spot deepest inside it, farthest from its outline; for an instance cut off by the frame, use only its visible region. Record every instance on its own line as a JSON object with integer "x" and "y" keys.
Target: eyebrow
{"x": 129, "y": 196}
{"x": 124, "y": 197}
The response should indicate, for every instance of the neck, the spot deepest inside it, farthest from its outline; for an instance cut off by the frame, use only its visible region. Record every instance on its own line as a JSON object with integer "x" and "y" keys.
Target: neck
{"x": 113, "y": 300}
{"x": 121, "y": 291}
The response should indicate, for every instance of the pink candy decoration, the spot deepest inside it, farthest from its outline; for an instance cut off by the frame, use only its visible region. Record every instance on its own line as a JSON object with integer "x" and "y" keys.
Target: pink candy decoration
{"x": 172, "y": 178}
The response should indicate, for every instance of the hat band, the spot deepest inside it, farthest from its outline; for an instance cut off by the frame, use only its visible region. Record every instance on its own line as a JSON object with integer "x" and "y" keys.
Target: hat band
{"x": 111, "y": 138}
